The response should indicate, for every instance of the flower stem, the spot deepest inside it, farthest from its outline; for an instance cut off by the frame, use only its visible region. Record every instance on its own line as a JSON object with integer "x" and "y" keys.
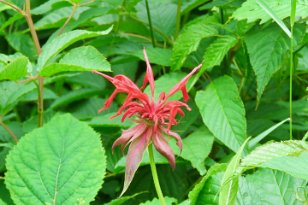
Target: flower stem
{"x": 155, "y": 176}
{"x": 40, "y": 101}
{"x": 150, "y": 21}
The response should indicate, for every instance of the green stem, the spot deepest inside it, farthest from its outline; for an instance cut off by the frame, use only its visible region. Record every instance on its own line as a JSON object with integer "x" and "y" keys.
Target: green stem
{"x": 178, "y": 18}
{"x": 292, "y": 20}
{"x": 40, "y": 101}
{"x": 150, "y": 22}
{"x": 68, "y": 19}
{"x": 155, "y": 176}
{"x": 9, "y": 131}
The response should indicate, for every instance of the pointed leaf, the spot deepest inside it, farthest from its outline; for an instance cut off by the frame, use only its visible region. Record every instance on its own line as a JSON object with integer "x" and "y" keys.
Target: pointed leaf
{"x": 266, "y": 49}
{"x": 60, "y": 163}
{"x": 229, "y": 184}
{"x": 223, "y": 112}
{"x": 15, "y": 70}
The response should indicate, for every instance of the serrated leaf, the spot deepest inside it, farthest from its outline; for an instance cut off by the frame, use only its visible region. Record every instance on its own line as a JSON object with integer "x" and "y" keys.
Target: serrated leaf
{"x": 216, "y": 51}
{"x": 60, "y": 163}
{"x": 15, "y": 70}
{"x": 269, "y": 187}
{"x": 85, "y": 58}
{"x": 11, "y": 93}
{"x": 229, "y": 184}
{"x": 188, "y": 41}
{"x": 273, "y": 150}
{"x": 59, "y": 43}
{"x": 223, "y": 112}
{"x": 251, "y": 11}
{"x": 196, "y": 148}
{"x": 266, "y": 49}
{"x": 206, "y": 191}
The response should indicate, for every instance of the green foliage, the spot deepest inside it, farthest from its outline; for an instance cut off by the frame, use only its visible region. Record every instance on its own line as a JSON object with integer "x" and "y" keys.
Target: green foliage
{"x": 223, "y": 108}
{"x": 188, "y": 41}
{"x": 245, "y": 88}
{"x": 267, "y": 49}
{"x": 251, "y": 11}
{"x": 61, "y": 163}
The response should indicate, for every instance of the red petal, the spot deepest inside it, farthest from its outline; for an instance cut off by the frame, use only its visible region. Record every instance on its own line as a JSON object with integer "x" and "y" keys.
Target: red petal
{"x": 163, "y": 147}
{"x": 148, "y": 78}
{"x": 182, "y": 84}
{"x": 134, "y": 157}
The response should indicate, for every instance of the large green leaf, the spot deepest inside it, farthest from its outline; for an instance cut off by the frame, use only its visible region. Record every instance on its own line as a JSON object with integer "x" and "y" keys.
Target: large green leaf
{"x": 251, "y": 11}
{"x": 22, "y": 43}
{"x": 59, "y": 43}
{"x": 269, "y": 187}
{"x": 196, "y": 148}
{"x": 60, "y": 163}
{"x": 188, "y": 41}
{"x": 223, "y": 112}
{"x": 215, "y": 53}
{"x": 207, "y": 190}
{"x": 229, "y": 184}
{"x": 266, "y": 49}
{"x": 273, "y": 150}
{"x": 84, "y": 58}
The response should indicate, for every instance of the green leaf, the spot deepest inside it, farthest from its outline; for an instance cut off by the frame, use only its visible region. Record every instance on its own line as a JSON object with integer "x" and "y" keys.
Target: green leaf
{"x": 22, "y": 43}
{"x": 85, "y": 58}
{"x": 262, "y": 135}
{"x": 2, "y": 202}
{"x": 229, "y": 183}
{"x": 15, "y": 70}
{"x": 215, "y": 53}
{"x": 59, "y": 43}
{"x": 251, "y": 11}
{"x": 273, "y": 150}
{"x": 188, "y": 41}
{"x": 121, "y": 200}
{"x": 196, "y": 148}
{"x": 160, "y": 56}
{"x": 273, "y": 15}
{"x": 206, "y": 191}
{"x": 266, "y": 49}
{"x": 104, "y": 120}
{"x": 156, "y": 201}
{"x": 11, "y": 93}
{"x": 223, "y": 112}
{"x": 269, "y": 187}
{"x": 60, "y": 163}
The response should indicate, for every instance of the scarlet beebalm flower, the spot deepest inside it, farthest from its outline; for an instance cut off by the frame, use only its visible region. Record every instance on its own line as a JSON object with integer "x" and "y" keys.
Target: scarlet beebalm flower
{"x": 154, "y": 119}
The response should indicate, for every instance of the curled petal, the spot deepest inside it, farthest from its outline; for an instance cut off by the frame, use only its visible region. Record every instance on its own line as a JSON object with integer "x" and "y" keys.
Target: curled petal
{"x": 134, "y": 157}
{"x": 177, "y": 138}
{"x": 162, "y": 146}
{"x": 182, "y": 84}
{"x": 129, "y": 134}
{"x": 149, "y": 78}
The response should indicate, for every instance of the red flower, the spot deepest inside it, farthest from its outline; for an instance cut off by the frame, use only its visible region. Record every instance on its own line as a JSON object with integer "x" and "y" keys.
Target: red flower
{"x": 154, "y": 119}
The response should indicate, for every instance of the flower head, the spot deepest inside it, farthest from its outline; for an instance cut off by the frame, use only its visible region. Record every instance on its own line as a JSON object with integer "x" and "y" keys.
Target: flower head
{"x": 154, "y": 119}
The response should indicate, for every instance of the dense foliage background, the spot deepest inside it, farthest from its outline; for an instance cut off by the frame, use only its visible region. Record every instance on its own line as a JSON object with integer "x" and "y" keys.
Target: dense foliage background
{"x": 249, "y": 51}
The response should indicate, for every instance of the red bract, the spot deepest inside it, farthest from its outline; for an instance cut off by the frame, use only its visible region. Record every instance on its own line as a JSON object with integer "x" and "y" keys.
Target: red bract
{"x": 154, "y": 119}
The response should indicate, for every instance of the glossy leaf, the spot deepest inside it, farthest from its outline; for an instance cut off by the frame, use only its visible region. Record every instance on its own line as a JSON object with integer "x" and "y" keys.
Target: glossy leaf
{"x": 223, "y": 112}
{"x": 61, "y": 163}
